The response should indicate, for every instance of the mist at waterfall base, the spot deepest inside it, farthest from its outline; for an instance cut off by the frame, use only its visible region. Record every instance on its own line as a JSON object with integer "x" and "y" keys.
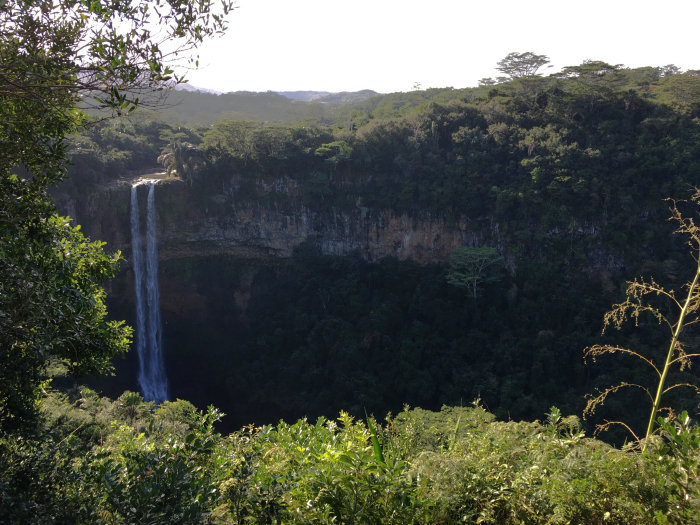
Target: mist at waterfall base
{"x": 152, "y": 380}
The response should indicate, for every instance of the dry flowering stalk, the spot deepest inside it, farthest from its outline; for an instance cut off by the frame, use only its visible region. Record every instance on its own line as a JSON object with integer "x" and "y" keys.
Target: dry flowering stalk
{"x": 638, "y": 293}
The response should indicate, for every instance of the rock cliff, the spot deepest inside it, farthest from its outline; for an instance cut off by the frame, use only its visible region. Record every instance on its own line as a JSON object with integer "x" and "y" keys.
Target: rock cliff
{"x": 195, "y": 224}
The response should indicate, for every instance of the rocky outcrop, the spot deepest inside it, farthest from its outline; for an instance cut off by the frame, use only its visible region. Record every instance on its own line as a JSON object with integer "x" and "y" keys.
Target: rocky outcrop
{"x": 194, "y": 224}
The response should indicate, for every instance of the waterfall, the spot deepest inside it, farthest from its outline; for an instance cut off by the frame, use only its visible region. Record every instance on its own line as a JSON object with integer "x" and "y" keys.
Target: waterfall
{"x": 137, "y": 259}
{"x": 151, "y": 378}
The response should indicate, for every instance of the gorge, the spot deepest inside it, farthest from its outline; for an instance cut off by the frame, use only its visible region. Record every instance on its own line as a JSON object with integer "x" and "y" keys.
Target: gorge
{"x": 303, "y": 267}
{"x": 421, "y": 307}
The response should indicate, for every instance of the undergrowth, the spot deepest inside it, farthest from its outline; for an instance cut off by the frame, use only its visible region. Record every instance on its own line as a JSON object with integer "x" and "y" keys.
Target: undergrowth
{"x": 128, "y": 462}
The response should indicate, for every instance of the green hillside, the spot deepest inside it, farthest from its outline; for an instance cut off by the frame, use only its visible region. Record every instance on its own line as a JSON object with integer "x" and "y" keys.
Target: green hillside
{"x": 195, "y": 108}
{"x": 566, "y": 176}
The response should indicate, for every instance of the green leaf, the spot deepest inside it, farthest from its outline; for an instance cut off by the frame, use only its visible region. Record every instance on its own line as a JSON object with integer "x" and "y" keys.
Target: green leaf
{"x": 378, "y": 456}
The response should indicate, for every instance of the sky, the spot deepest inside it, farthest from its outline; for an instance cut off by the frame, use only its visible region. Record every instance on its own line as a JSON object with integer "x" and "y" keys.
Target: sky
{"x": 389, "y": 45}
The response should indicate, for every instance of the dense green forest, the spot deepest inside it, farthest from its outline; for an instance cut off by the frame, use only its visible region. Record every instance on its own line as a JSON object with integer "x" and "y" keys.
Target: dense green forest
{"x": 560, "y": 179}
{"x": 194, "y": 108}
{"x": 566, "y": 175}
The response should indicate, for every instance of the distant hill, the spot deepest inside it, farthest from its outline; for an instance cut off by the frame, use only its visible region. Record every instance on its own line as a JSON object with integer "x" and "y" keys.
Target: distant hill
{"x": 195, "y": 106}
{"x": 190, "y": 87}
{"x": 326, "y": 97}
{"x": 306, "y": 96}
{"x": 347, "y": 97}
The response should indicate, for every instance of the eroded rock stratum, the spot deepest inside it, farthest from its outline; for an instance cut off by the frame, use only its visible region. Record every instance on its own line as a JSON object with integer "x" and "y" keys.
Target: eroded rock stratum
{"x": 193, "y": 223}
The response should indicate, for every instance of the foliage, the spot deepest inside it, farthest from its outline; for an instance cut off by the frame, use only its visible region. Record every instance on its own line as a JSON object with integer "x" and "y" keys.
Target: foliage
{"x": 495, "y": 473}
{"x": 131, "y": 404}
{"x": 335, "y": 152}
{"x": 236, "y": 136}
{"x": 637, "y": 303}
{"x": 469, "y": 267}
{"x": 536, "y": 473}
{"x": 38, "y": 482}
{"x": 51, "y": 299}
{"x": 140, "y": 481}
{"x": 109, "y": 149}
{"x": 180, "y": 158}
{"x": 433, "y": 471}
{"x": 163, "y": 473}
{"x": 679, "y": 455}
{"x": 178, "y": 411}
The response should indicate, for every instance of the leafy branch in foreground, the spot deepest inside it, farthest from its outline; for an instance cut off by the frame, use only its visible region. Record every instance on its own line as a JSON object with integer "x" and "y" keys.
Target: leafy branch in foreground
{"x": 637, "y": 303}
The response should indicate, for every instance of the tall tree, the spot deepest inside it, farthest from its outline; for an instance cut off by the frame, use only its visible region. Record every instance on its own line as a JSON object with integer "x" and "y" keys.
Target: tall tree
{"x": 55, "y": 57}
{"x": 181, "y": 158}
{"x": 238, "y": 136}
{"x": 517, "y": 65}
{"x": 669, "y": 70}
{"x": 471, "y": 267}
{"x": 595, "y": 81}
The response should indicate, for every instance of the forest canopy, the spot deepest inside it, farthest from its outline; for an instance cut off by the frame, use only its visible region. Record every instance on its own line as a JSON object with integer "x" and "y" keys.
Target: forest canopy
{"x": 563, "y": 175}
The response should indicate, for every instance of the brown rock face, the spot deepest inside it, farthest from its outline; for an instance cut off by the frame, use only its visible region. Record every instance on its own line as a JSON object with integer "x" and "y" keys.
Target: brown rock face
{"x": 191, "y": 224}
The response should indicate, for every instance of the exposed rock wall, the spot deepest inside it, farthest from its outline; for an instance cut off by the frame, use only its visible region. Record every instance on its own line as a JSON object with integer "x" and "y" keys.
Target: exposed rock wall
{"x": 192, "y": 224}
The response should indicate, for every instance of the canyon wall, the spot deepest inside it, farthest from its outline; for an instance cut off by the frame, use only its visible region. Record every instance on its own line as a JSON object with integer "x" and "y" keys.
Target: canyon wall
{"x": 195, "y": 224}
{"x": 263, "y": 335}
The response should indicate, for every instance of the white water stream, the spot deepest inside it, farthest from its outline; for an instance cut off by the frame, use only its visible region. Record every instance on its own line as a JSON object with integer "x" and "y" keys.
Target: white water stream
{"x": 151, "y": 378}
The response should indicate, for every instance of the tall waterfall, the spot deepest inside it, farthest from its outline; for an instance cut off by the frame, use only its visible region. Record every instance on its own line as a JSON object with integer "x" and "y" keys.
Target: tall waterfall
{"x": 152, "y": 378}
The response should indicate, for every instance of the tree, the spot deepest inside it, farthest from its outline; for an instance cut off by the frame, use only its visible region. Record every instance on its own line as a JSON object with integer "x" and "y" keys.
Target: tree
{"x": 273, "y": 140}
{"x": 517, "y": 65}
{"x": 178, "y": 411}
{"x": 335, "y": 152}
{"x": 669, "y": 70}
{"x": 235, "y": 135}
{"x": 51, "y": 301}
{"x": 529, "y": 90}
{"x": 132, "y": 406}
{"x": 416, "y": 121}
{"x": 181, "y": 158}
{"x": 595, "y": 80}
{"x": 57, "y": 56}
{"x": 469, "y": 267}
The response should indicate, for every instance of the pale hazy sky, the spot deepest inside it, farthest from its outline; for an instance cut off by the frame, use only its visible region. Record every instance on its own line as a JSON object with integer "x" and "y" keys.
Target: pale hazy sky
{"x": 388, "y": 45}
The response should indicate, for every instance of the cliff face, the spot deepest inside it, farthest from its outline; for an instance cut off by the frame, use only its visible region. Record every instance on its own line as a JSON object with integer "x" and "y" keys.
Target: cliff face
{"x": 264, "y": 338}
{"x": 192, "y": 224}
{"x": 215, "y": 252}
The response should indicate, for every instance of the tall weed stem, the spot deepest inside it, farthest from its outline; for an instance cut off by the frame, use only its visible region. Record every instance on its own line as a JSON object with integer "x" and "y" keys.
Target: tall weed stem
{"x": 670, "y": 358}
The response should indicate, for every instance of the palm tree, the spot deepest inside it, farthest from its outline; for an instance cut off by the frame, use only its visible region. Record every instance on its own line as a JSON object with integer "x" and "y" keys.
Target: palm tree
{"x": 181, "y": 158}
